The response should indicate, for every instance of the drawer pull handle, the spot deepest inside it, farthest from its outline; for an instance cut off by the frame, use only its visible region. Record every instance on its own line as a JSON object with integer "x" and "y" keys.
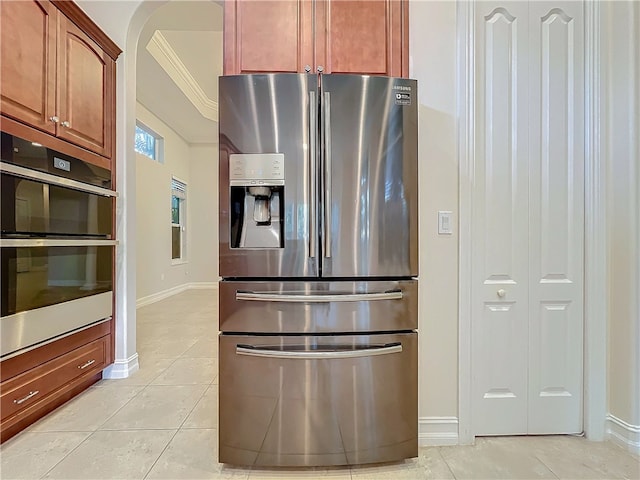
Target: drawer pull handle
{"x": 90, "y": 362}
{"x": 254, "y": 351}
{"x": 31, "y": 395}
{"x": 317, "y": 298}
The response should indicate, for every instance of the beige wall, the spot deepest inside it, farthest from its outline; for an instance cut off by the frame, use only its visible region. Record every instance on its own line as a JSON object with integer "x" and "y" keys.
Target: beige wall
{"x": 432, "y": 47}
{"x": 197, "y": 166}
{"x": 621, "y": 148}
{"x": 203, "y": 195}
{"x": 154, "y": 268}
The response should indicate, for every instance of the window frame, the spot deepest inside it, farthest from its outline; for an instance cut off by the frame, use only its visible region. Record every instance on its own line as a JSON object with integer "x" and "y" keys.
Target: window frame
{"x": 179, "y": 191}
{"x": 158, "y": 142}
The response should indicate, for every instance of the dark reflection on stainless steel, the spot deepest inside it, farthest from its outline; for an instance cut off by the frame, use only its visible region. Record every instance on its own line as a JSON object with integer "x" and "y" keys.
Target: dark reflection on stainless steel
{"x": 33, "y": 208}
{"x": 298, "y": 412}
{"x": 36, "y": 277}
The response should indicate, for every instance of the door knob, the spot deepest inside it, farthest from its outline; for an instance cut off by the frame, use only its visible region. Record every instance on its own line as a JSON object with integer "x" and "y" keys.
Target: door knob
{"x": 502, "y": 292}
{"x": 320, "y": 69}
{"x": 54, "y": 119}
{"x": 307, "y": 68}
{"x": 65, "y": 124}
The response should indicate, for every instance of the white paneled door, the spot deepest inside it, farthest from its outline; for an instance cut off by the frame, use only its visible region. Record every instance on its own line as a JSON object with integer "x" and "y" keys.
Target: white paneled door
{"x": 527, "y": 219}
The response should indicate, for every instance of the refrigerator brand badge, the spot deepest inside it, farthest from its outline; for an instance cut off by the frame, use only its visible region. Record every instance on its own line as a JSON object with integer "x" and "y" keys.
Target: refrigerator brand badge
{"x": 402, "y": 94}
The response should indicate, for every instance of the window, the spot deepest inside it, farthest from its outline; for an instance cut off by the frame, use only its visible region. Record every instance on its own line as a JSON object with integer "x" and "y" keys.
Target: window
{"x": 178, "y": 218}
{"x": 149, "y": 143}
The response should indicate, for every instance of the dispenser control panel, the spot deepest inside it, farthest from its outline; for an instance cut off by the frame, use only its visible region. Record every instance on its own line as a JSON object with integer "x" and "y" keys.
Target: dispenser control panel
{"x": 256, "y": 169}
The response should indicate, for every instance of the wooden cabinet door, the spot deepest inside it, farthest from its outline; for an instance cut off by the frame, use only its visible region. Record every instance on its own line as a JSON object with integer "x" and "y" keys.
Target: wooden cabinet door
{"x": 27, "y": 68}
{"x": 362, "y": 36}
{"x": 267, "y": 36}
{"x": 86, "y": 82}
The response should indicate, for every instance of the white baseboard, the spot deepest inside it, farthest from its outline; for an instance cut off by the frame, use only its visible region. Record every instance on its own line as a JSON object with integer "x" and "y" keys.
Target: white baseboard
{"x": 156, "y": 297}
{"x": 122, "y": 368}
{"x": 623, "y": 433}
{"x": 437, "y": 431}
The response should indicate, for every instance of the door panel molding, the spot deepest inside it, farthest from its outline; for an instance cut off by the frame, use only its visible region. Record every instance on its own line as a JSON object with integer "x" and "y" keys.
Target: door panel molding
{"x": 556, "y": 262}
{"x": 594, "y": 409}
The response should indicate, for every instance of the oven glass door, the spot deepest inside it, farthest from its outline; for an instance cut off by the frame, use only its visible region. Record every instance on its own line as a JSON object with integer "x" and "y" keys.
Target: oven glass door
{"x": 39, "y": 276}
{"x": 32, "y": 208}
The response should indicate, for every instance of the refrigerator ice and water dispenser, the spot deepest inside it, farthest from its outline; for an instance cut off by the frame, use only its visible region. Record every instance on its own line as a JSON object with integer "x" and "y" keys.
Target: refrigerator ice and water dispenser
{"x": 257, "y": 200}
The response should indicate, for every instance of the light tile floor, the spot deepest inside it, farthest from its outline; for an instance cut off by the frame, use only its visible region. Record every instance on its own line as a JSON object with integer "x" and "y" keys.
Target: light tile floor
{"x": 161, "y": 423}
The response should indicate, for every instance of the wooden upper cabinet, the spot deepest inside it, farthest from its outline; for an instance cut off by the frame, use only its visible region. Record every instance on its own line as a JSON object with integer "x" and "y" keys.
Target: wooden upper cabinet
{"x": 363, "y": 36}
{"x": 58, "y": 72}
{"x": 85, "y": 93}
{"x": 267, "y": 36}
{"x": 341, "y": 36}
{"x": 28, "y": 62}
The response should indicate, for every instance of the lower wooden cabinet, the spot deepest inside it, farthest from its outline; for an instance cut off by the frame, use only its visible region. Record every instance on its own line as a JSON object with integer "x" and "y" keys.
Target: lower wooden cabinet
{"x": 31, "y": 394}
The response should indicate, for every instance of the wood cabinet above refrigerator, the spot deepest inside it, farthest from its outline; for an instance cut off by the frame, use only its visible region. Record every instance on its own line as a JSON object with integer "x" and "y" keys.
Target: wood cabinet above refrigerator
{"x": 58, "y": 73}
{"x": 338, "y": 36}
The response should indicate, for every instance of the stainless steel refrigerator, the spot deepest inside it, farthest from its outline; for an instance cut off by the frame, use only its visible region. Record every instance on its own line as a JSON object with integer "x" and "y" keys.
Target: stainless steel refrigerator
{"x": 319, "y": 258}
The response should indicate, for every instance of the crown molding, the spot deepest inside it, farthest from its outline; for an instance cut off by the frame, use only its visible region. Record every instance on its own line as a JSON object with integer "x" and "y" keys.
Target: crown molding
{"x": 170, "y": 62}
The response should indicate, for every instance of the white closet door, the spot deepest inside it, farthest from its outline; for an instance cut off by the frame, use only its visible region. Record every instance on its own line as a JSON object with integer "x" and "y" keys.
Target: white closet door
{"x": 556, "y": 212}
{"x": 500, "y": 232}
{"x": 527, "y": 219}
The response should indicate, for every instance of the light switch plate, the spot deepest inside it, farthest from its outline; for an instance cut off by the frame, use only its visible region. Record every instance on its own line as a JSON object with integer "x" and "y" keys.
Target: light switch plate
{"x": 445, "y": 226}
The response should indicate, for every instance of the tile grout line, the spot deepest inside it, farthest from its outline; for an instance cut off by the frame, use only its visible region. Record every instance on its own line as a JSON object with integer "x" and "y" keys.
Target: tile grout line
{"x": 537, "y": 457}
{"x": 69, "y": 453}
{"x": 161, "y": 453}
{"x": 91, "y": 433}
{"x": 175, "y": 433}
{"x": 446, "y": 463}
{"x": 121, "y": 407}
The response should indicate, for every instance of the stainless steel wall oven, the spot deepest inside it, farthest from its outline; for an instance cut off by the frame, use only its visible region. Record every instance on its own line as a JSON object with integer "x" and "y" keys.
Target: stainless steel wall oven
{"x": 56, "y": 245}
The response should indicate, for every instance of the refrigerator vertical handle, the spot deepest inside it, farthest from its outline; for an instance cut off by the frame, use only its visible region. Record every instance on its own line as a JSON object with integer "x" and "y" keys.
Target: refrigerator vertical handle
{"x": 327, "y": 175}
{"x": 312, "y": 201}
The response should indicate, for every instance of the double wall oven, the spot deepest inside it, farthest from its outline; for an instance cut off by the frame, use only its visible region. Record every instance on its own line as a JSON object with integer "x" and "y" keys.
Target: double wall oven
{"x": 56, "y": 245}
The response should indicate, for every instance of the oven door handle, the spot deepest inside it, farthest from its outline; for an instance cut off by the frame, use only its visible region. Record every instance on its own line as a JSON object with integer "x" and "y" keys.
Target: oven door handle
{"x": 371, "y": 351}
{"x": 324, "y": 298}
{"x": 55, "y": 242}
{"x": 29, "y": 174}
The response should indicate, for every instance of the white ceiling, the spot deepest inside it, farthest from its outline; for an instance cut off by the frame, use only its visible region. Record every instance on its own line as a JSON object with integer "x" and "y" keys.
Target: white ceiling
{"x": 179, "y": 61}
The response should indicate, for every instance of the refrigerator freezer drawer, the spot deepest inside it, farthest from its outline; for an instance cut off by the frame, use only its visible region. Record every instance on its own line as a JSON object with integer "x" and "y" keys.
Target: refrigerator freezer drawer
{"x": 318, "y": 307}
{"x": 318, "y": 400}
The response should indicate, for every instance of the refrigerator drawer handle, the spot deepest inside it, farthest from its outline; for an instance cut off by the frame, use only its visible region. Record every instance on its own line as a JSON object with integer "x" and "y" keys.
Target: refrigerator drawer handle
{"x": 288, "y": 298}
{"x": 318, "y": 355}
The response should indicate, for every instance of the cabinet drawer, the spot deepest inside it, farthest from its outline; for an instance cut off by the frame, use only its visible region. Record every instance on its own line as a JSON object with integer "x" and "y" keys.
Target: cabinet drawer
{"x": 34, "y": 385}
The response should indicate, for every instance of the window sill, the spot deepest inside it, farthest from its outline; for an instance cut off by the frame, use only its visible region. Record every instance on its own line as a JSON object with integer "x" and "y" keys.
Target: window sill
{"x": 179, "y": 261}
